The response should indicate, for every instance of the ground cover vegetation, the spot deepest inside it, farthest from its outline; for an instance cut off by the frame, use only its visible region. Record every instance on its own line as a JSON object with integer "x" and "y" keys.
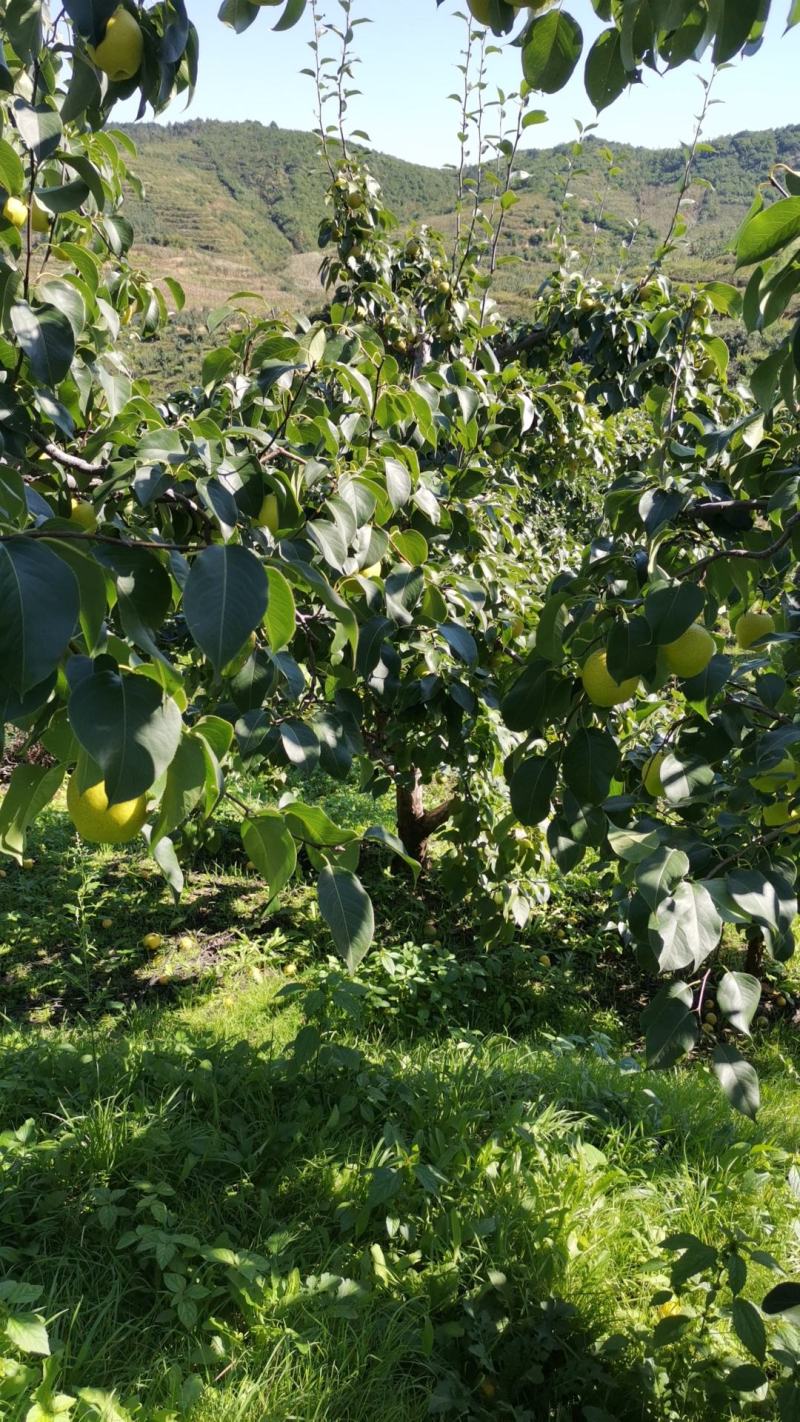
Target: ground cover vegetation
{"x": 461, "y": 648}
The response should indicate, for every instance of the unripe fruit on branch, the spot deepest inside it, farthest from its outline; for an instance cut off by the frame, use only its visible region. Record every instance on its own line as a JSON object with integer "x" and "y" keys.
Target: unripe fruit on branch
{"x": 15, "y": 211}
{"x": 601, "y": 687}
{"x": 690, "y": 653}
{"x": 97, "y": 822}
{"x": 651, "y": 775}
{"x": 752, "y": 626}
{"x": 120, "y": 51}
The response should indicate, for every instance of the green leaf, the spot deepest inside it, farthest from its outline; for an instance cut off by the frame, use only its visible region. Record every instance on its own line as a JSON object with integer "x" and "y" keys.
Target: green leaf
{"x": 47, "y": 339}
{"x": 671, "y": 1028}
{"x": 589, "y": 765}
{"x": 605, "y": 77}
{"x": 671, "y": 611}
{"x": 398, "y": 483}
{"x": 378, "y": 834}
{"x": 39, "y": 127}
{"x": 224, "y": 600}
{"x": 684, "y": 928}
{"x": 768, "y": 232}
{"x": 531, "y": 789}
{"x": 239, "y": 14}
{"x": 733, "y": 27}
{"x": 460, "y": 641}
{"x": 371, "y": 637}
{"x": 749, "y": 1327}
{"x": 738, "y": 995}
{"x": 280, "y": 618}
{"x": 657, "y": 876}
{"x": 300, "y": 745}
{"x": 746, "y": 1378}
{"x": 738, "y": 1079}
{"x": 185, "y": 787}
{"x": 30, "y": 788}
{"x": 28, "y": 1332}
{"x": 310, "y": 823}
{"x": 347, "y": 910}
{"x": 271, "y": 846}
{"x": 784, "y": 1298}
{"x": 40, "y": 603}
{"x": 167, "y": 861}
{"x": 553, "y": 45}
{"x": 12, "y": 173}
{"x": 128, "y": 727}
{"x": 631, "y": 650}
{"x": 91, "y": 587}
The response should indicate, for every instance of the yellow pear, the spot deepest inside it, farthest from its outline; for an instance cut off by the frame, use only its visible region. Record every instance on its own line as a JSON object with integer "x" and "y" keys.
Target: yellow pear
{"x": 651, "y": 775}
{"x": 269, "y": 515}
{"x": 100, "y": 823}
{"x": 120, "y": 51}
{"x": 752, "y": 626}
{"x": 15, "y": 211}
{"x": 601, "y": 687}
{"x": 691, "y": 652}
{"x": 82, "y": 514}
{"x": 40, "y": 217}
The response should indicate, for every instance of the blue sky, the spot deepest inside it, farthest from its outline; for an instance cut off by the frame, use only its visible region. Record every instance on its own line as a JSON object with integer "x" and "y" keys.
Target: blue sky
{"x": 409, "y": 52}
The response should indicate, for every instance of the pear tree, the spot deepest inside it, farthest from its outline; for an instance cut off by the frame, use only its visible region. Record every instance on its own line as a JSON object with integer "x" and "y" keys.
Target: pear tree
{"x": 346, "y": 546}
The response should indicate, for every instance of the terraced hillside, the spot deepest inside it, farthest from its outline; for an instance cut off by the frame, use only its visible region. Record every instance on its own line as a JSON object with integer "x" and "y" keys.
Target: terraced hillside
{"x": 230, "y": 206}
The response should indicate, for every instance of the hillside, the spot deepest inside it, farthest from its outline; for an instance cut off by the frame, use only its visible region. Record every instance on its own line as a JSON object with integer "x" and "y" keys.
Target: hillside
{"x": 236, "y": 206}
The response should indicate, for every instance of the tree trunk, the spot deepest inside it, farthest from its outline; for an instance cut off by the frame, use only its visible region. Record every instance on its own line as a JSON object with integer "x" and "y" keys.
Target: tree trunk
{"x": 415, "y": 824}
{"x": 754, "y": 957}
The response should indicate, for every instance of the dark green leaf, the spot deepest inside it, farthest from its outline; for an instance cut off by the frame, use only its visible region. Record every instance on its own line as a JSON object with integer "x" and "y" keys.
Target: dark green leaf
{"x": 224, "y": 601}
{"x": 271, "y": 847}
{"x": 40, "y": 604}
{"x": 589, "y": 765}
{"x": 604, "y": 76}
{"x": 738, "y": 995}
{"x": 553, "y": 45}
{"x": 738, "y": 1079}
{"x": 784, "y": 1298}
{"x": 47, "y": 338}
{"x": 749, "y": 1327}
{"x": 347, "y": 910}
{"x": 531, "y": 788}
{"x": 671, "y": 611}
{"x": 460, "y": 641}
{"x": 684, "y": 928}
{"x": 128, "y": 727}
{"x": 671, "y": 1028}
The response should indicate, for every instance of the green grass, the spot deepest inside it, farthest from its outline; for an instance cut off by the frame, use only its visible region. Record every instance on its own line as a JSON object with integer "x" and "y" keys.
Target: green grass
{"x": 249, "y": 1195}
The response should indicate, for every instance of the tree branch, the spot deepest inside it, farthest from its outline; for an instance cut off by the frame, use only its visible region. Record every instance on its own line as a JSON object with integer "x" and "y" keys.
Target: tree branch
{"x": 759, "y": 555}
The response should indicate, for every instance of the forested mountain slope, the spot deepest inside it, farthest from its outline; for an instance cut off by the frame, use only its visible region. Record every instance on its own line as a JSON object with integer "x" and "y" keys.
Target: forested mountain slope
{"x": 232, "y": 205}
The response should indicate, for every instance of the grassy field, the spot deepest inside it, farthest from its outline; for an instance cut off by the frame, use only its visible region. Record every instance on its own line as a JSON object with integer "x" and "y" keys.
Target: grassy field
{"x": 248, "y": 1188}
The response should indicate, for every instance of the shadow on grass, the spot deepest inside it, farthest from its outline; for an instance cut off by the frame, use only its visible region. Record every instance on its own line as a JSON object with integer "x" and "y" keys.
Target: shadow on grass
{"x": 485, "y": 1203}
